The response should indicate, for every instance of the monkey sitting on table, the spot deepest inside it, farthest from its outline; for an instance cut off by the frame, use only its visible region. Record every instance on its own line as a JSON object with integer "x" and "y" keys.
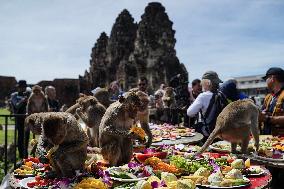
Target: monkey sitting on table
{"x": 116, "y": 140}
{"x": 69, "y": 141}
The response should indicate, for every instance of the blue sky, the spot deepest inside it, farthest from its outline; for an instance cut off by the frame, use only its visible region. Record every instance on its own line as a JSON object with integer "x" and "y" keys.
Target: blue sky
{"x": 43, "y": 40}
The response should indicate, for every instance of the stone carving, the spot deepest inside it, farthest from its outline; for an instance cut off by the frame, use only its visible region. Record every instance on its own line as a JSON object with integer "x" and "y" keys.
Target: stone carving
{"x": 135, "y": 50}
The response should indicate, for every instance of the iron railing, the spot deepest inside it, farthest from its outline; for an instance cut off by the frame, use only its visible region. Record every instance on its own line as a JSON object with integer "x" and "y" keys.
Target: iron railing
{"x": 6, "y": 139}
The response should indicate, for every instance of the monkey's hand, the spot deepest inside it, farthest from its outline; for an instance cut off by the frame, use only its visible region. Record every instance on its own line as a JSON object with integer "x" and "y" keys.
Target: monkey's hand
{"x": 78, "y": 111}
{"x": 149, "y": 142}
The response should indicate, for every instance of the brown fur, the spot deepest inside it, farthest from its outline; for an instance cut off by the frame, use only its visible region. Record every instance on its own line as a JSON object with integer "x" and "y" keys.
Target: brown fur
{"x": 115, "y": 140}
{"x": 169, "y": 98}
{"x": 143, "y": 114}
{"x": 60, "y": 128}
{"x": 103, "y": 97}
{"x": 91, "y": 112}
{"x": 37, "y": 101}
{"x": 234, "y": 124}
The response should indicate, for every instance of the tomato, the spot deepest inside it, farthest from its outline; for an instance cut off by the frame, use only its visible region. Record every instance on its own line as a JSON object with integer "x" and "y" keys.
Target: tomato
{"x": 31, "y": 184}
{"x": 37, "y": 178}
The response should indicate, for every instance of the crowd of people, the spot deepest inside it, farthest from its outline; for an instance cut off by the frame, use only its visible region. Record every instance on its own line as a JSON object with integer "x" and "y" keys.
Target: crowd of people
{"x": 195, "y": 106}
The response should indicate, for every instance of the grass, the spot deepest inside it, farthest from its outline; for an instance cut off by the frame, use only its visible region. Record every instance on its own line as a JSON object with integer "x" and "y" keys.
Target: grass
{"x": 10, "y": 136}
{"x": 4, "y": 111}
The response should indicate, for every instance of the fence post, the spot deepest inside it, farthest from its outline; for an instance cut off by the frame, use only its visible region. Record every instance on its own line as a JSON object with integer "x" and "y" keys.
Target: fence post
{"x": 6, "y": 143}
{"x": 15, "y": 142}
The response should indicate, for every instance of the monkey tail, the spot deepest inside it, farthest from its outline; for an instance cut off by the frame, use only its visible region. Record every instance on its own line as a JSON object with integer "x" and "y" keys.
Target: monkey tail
{"x": 210, "y": 139}
{"x": 254, "y": 127}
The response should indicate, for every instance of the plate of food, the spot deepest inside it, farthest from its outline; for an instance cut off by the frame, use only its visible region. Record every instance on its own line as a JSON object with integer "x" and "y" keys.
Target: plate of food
{"x": 24, "y": 182}
{"x": 123, "y": 174}
{"x": 157, "y": 139}
{"x": 254, "y": 171}
{"x": 222, "y": 146}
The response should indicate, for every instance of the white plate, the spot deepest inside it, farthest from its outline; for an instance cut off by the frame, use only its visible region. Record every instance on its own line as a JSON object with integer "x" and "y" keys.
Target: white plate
{"x": 122, "y": 179}
{"x": 227, "y": 187}
{"x": 25, "y": 181}
{"x": 268, "y": 159}
{"x": 256, "y": 174}
{"x": 212, "y": 147}
{"x": 23, "y": 176}
{"x": 128, "y": 180}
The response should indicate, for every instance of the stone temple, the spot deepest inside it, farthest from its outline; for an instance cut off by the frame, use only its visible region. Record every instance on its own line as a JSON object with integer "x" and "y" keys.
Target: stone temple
{"x": 134, "y": 50}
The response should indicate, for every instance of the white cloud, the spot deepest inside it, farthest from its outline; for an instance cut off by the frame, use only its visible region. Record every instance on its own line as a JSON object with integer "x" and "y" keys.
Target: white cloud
{"x": 55, "y": 37}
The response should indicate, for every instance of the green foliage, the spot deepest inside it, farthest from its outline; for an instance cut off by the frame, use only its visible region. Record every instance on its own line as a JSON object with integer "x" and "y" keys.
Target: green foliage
{"x": 4, "y": 111}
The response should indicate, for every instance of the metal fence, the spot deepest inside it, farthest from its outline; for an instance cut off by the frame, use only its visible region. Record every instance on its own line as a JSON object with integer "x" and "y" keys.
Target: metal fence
{"x": 6, "y": 139}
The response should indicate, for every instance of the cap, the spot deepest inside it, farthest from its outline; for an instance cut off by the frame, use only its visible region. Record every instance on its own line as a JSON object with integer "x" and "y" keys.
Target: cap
{"x": 274, "y": 71}
{"x": 212, "y": 76}
{"x": 22, "y": 83}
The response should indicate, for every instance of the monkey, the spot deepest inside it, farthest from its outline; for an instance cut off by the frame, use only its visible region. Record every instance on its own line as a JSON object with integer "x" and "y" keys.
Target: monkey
{"x": 91, "y": 112}
{"x": 72, "y": 109}
{"x": 64, "y": 132}
{"x": 234, "y": 124}
{"x": 103, "y": 97}
{"x": 114, "y": 137}
{"x": 169, "y": 98}
{"x": 37, "y": 102}
{"x": 143, "y": 114}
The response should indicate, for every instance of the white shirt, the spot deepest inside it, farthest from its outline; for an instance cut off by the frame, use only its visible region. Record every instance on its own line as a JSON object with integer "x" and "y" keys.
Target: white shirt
{"x": 200, "y": 103}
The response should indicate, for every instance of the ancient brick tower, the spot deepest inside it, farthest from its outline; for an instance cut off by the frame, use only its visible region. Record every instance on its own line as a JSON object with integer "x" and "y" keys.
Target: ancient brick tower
{"x": 132, "y": 51}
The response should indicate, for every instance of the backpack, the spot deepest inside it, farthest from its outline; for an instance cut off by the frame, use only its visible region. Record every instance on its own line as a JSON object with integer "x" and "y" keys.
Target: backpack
{"x": 217, "y": 103}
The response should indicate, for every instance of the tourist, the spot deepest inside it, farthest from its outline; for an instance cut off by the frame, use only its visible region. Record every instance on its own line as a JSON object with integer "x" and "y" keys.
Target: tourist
{"x": 114, "y": 90}
{"x": 53, "y": 103}
{"x": 143, "y": 85}
{"x": 19, "y": 102}
{"x": 273, "y": 107}
{"x": 210, "y": 84}
{"x": 229, "y": 89}
{"x": 195, "y": 89}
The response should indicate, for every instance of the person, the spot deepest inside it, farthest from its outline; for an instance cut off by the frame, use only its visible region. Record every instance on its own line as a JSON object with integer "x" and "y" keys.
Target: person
{"x": 19, "y": 102}
{"x": 53, "y": 103}
{"x": 229, "y": 89}
{"x": 195, "y": 89}
{"x": 180, "y": 84}
{"x": 272, "y": 114}
{"x": 143, "y": 84}
{"x": 114, "y": 90}
{"x": 210, "y": 85}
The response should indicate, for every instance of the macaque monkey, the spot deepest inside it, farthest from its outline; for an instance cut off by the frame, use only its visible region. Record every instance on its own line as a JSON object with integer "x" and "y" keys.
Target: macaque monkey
{"x": 103, "y": 97}
{"x": 169, "y": 98}
{"x": 37, "y": 101}
{"x": 234, "y": 124}
{"x": 70, "y": 143}
{"x": 116, "y": 141}
{"x": 61, "y": 133}
{"x": 91, "y": 113}
{"x": 143, "y": 114}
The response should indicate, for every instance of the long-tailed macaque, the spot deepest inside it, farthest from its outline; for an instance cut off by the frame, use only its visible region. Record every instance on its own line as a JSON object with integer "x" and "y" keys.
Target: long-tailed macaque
{"x": 91, "y": 113}
{"x": 143, "y": 115}
{"x": 169, "y": 98}
{"x": 114, "y": 135}
{"x": 37, "y": 101}
{"x": 66, "y": 133}
{"x": 234, "y": 124}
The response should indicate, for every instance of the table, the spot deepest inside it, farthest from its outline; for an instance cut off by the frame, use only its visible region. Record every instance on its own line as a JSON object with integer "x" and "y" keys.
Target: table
{"x": 183, "y": 140}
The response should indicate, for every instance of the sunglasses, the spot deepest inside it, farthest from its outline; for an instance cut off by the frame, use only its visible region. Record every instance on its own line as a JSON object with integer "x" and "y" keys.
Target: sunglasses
{"x": 142, "y": 84}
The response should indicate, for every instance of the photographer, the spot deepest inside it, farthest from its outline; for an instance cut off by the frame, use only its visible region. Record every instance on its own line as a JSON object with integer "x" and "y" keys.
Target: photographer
{"x": 180, "y": 85}
{"x": 19, "y": 102}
